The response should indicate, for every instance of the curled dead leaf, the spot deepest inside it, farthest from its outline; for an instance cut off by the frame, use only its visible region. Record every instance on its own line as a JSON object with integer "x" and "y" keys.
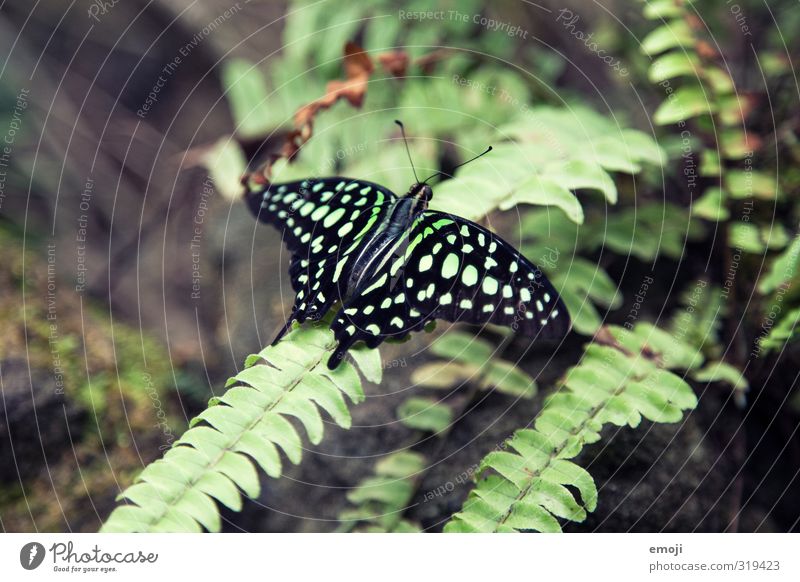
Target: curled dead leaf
{"x": 358, "y": 68}
{"x": 356, "y": 62}
{"x": 428, "y": 61}
{"x": 394, "y": 62}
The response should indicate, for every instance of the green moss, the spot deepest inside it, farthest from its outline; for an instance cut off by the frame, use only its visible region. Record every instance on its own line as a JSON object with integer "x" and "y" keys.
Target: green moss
{"x": 119, "y": 377}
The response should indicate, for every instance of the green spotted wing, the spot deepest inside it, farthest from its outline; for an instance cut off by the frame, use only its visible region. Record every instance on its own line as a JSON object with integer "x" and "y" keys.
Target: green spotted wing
{"x": 447, "y": 267}
{"x": 323, "y": 222}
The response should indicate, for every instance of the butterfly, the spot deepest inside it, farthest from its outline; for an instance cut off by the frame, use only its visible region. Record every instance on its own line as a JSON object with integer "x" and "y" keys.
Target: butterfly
{"x": 395, "y": 265}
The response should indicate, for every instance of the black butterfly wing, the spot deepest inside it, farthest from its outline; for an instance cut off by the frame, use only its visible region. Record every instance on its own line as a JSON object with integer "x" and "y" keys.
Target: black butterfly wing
{"x": 317, "y": 213}
{"x": 323, "y": 222}
{"x": 466, "y": 273}
{"x": 447, "y": 267}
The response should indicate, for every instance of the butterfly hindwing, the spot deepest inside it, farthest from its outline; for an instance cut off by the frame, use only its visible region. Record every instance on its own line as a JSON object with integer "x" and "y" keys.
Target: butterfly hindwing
{"x": 379, "y": 309}
{"x": 435, "y": 266}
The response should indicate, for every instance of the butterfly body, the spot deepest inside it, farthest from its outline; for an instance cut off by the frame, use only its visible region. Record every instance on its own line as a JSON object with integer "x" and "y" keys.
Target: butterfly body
{"x": 376, "y": 248}
{"x": 395, "y": 265}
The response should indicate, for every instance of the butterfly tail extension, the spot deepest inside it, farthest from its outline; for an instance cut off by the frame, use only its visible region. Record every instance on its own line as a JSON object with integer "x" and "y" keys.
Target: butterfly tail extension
{"x": 345, "y": 343}
{"x": 346, "y": 334}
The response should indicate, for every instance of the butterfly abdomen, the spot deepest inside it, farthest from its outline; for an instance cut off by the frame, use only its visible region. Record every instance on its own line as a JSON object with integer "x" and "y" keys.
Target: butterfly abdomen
{"x": 384, "y": 244}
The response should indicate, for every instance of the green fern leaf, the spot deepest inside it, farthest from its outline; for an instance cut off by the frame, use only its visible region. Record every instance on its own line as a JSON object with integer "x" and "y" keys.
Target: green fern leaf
{"x": 467, "y": 358}
{"x": 784, "y": 332}
{"x": 380, "y": 499}
{"x": 620, "y": 380}
{"x": 555, "y": 152}
{"x": 216, "y": 459}
{"x": 425, "y": 414}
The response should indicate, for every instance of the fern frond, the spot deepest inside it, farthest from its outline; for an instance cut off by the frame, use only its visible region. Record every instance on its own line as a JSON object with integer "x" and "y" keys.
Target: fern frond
{"x": 699, "y": 320}
{"x": 424, "y": 414}
{"x": 684, "y": 55}
{"x": 248, "y": 426}
{"x": 380, "y": 499}
{"x": 782, "y": 333}
{"x": 555, "y": 152}
{"x": 782, "y": 271}
{"x": 583, "y": 285}
{"x": 466, "y": 358}
{"x": 723, "y": 372}
{"x": 621, "y": 379}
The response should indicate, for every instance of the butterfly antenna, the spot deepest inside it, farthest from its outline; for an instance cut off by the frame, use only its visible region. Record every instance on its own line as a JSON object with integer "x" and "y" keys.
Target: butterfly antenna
{"x": 459, "y": 165}
{"x": 405, "y": 141}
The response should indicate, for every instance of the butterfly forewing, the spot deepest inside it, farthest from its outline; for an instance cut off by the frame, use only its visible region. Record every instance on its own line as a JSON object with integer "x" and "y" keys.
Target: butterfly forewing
{"x": 323, "y": 221}
{"x": 462, "y": 272}
{"x": 315, "y": 215}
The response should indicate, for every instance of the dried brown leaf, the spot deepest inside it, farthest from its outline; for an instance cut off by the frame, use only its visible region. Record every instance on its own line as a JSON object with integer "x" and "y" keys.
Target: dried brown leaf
{"x": 394, "y": 62}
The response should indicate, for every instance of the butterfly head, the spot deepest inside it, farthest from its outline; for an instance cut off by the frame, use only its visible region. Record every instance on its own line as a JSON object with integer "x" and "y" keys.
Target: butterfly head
{"x": 421, "y": 192}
